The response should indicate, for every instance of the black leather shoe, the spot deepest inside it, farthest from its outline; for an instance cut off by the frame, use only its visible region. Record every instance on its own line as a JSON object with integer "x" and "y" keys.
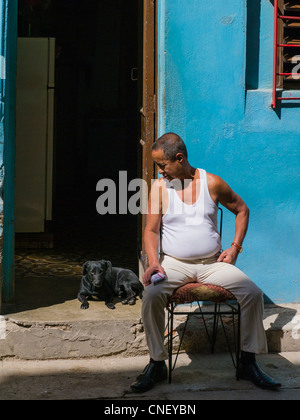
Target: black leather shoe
{"x": 255, "y": 374}
{"x": 153, "y": 373}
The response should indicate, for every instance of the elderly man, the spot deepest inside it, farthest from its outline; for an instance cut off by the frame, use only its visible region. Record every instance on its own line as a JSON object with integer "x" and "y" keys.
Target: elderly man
{"x": 182, "y": 217}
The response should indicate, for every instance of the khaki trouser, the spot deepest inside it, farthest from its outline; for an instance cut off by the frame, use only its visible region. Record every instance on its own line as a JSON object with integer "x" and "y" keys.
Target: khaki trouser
{"x": 207, "y": 271}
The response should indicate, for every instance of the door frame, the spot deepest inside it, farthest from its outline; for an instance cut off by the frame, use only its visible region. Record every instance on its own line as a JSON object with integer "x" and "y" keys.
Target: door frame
{"x": 147, "y": 113}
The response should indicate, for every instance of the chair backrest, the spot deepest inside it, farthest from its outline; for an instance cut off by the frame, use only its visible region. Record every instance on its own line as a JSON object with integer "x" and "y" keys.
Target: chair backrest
{"x": 221, "y": 221}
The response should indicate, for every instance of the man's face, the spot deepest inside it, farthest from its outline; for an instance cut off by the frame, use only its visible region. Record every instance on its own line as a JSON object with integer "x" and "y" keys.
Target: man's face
{"x": 167, "y": 168}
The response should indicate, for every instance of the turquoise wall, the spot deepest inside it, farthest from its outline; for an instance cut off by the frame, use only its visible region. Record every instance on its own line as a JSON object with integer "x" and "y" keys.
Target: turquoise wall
{"x": 8, "y": 48}
{"x": 214, "y": 90}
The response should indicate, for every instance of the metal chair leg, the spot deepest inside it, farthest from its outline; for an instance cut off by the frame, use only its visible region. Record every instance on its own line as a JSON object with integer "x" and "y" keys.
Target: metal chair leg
{"x": 170, "y": 335}
{"x": 217, "y": 314}
{"x": 215, "y": 328}
{"x": 238, "y": 350}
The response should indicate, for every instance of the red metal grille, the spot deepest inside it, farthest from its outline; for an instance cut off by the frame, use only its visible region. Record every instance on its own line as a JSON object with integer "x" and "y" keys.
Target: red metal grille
{"x": 286, "y": 48}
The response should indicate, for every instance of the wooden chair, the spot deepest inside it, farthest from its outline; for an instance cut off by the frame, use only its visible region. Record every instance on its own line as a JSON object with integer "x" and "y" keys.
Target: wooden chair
{"x": 224, "y": 304}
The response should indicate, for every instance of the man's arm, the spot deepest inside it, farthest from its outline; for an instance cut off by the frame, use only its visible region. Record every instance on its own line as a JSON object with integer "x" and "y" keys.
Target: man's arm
{"x": 151, "y": 233}
{"x": 222, "y": 193}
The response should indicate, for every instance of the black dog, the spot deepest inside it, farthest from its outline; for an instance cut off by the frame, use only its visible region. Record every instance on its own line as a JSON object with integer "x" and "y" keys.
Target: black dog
{"x": 103, "y": 281}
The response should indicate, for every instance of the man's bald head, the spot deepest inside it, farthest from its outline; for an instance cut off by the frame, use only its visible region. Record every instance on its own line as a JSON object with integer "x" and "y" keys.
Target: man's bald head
{"x": 171, "y": 144}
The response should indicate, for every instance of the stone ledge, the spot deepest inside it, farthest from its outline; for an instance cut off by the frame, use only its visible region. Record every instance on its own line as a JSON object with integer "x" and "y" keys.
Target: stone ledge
{"x": 64, "y": 331}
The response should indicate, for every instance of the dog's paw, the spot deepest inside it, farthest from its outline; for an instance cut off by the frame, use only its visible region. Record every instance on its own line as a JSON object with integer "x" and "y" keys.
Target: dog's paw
{"x": 132, "y": 301}
{"x": 85, "y": 306}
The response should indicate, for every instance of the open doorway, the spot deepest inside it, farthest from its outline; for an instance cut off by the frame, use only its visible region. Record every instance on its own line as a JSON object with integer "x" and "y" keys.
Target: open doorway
{"x": 98, "y": 94}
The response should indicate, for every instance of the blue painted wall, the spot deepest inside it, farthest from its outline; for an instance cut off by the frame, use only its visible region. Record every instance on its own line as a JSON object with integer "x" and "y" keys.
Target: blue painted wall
{"x": 8, "y": 48}
{"x": 214, "y": 89}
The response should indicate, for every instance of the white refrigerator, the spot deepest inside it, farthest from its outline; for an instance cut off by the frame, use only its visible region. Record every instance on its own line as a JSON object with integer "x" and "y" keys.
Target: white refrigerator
{"x": 34, "y": 133}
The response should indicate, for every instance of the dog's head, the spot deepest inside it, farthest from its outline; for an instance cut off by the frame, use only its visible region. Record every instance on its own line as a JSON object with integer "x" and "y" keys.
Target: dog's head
{"x": 95, "y": 271}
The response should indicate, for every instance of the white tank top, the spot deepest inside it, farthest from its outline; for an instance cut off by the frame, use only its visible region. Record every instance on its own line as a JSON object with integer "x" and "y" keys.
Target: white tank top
{"x": 190, "y": 231}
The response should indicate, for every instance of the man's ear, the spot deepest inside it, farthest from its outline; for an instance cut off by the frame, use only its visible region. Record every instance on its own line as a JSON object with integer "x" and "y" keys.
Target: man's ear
{"x": 179, "y": 157}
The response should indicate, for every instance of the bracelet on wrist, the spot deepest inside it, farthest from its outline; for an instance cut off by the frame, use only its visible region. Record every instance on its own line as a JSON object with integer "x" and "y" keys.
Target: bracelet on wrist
{"x": 239, "y": 247}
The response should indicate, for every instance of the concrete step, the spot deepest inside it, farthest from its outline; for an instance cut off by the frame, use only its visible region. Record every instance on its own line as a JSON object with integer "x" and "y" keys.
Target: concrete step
{"x": 64, "y": 331}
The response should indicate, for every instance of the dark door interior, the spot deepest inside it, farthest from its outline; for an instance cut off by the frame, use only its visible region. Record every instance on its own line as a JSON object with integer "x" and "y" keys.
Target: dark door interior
{"x": 97, "y": 108}
{"x": 97, "y": 122}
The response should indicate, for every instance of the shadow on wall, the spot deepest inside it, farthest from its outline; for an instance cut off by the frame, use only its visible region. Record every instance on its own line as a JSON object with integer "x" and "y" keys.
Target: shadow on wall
{"x": 279, "y": 321}
{"x": 253, "y": 41}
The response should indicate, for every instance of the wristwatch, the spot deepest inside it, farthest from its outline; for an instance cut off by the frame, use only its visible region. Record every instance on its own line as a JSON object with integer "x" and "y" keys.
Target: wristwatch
{"x": 239, "y": 247}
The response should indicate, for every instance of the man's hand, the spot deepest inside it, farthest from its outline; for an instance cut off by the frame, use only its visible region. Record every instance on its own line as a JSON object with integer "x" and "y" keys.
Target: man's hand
{"x": 156, "y": 268}
{"x": 229, "y": 256}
